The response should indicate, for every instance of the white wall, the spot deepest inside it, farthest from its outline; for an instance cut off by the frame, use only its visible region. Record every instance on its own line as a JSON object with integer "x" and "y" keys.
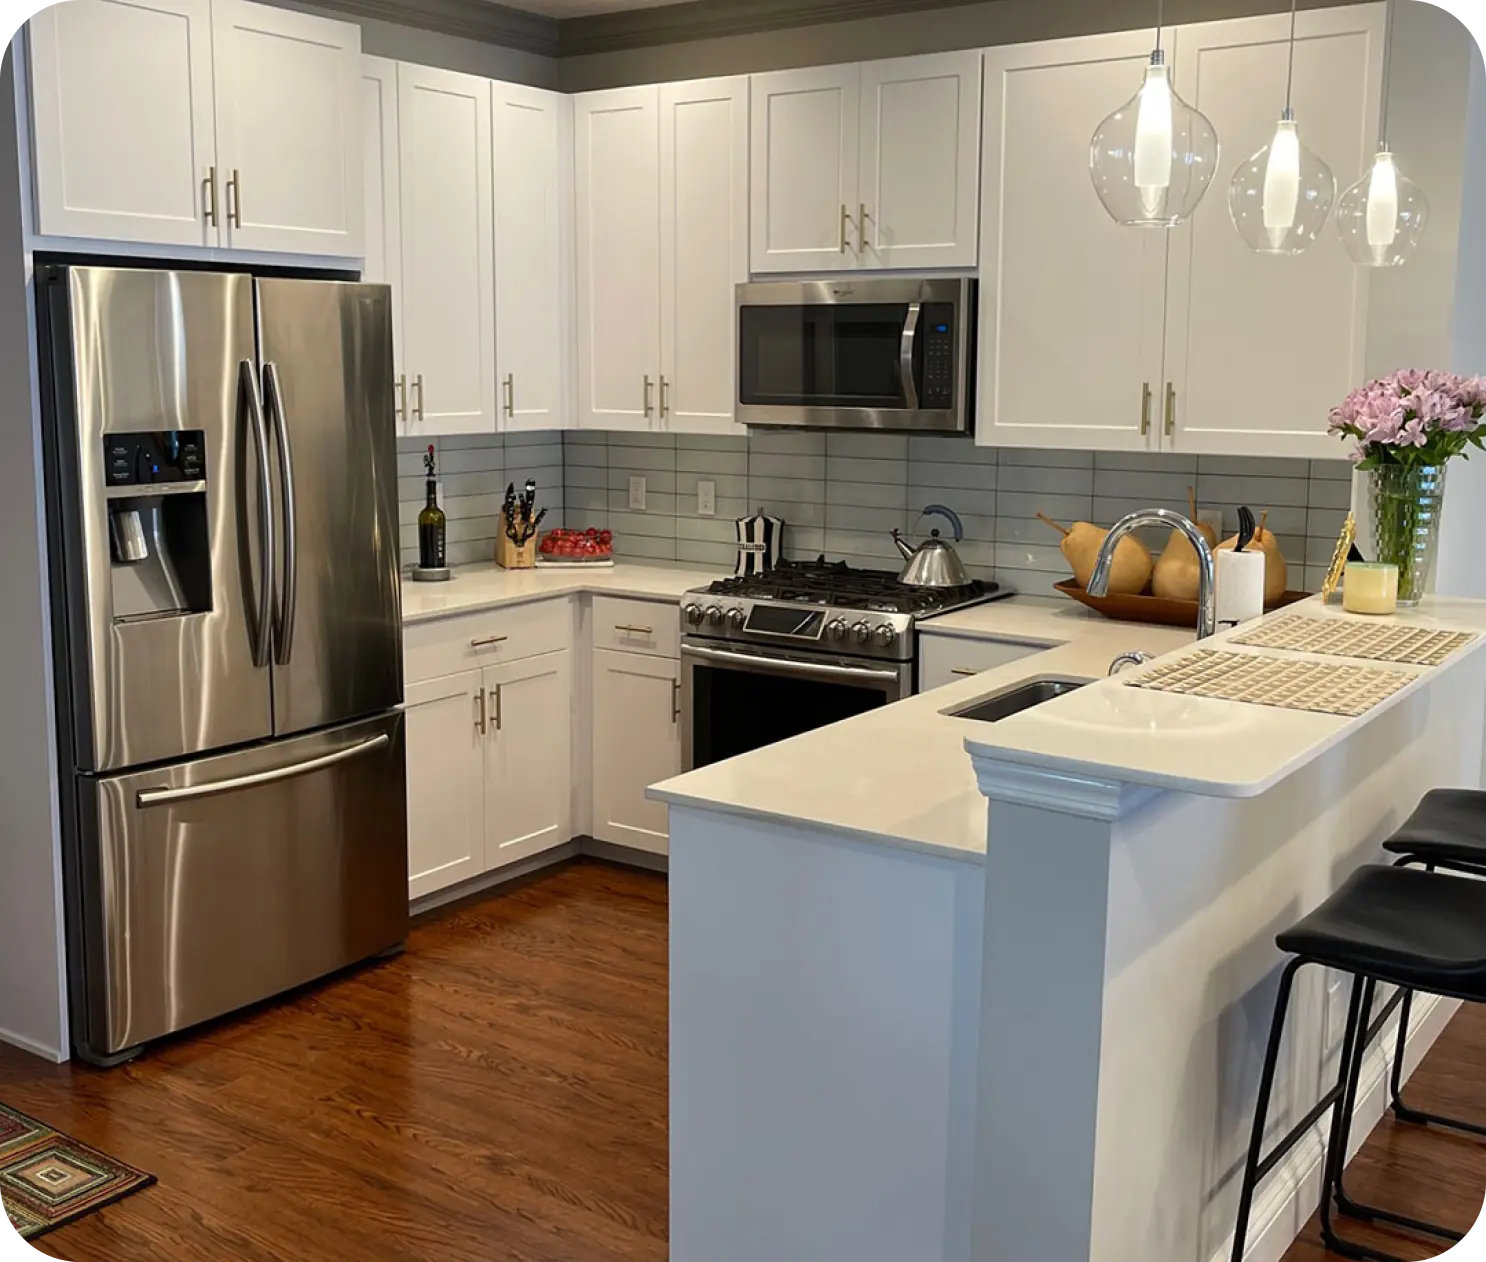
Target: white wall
{"x": 32, "y": 1004}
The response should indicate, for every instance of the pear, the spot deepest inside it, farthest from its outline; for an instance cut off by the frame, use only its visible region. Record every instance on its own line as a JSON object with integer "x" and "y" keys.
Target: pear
{"x": 1276, "y": 573}
{"x": 1176, "y": 574}
{"x": 1131, "y": 571}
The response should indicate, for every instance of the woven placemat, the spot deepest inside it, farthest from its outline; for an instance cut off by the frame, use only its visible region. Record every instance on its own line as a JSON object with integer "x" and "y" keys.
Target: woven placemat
{"x": 1320, "y": 687}
{"x": 1357, "y": 637}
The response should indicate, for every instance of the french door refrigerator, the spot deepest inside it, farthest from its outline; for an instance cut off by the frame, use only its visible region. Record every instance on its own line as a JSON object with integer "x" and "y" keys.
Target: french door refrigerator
{"x": 222, "y": 519}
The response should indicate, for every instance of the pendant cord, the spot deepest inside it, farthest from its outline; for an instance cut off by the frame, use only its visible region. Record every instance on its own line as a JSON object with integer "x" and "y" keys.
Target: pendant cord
{"x": 1290, "y": 71}
{"x": 1387, "y": 70}
{"x": 1160, "y": 15}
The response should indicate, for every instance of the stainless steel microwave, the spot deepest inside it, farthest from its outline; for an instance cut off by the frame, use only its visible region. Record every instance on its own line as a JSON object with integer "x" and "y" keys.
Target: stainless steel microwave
{"x": 890, "y": 352}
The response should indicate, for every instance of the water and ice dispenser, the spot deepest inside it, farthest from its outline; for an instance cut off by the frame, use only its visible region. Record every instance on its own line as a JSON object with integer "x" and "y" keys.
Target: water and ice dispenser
{"x": 159, "y": 542}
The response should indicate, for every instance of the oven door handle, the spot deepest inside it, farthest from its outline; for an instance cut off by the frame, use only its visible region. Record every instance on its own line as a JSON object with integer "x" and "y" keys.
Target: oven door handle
{"x": 788, "y": 666}
{"x": 905, "y": 356}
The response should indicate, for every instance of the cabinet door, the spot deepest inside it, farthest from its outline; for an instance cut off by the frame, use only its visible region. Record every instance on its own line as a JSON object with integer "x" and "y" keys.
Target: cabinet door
{"x": 806, "y": 139}
{"x": 704, "y": 251}
{"x": 528, "y": 757}
{"x": 920, "y": 178}
{"x": 1258, "y": 348}
{"x": 289, "y": 129}
{"x": 947, "y": 659}
{"x": 121, "y": 110}
{"x": 383, "y": 189}
{"x": 448, "y": 276}
{"x": 1071, "y": 303}
{"x": 636, "y": 743}
{"x": 446, "y": 782}
{"x": 531, "y": 129}
{"x": 618, "y": 193}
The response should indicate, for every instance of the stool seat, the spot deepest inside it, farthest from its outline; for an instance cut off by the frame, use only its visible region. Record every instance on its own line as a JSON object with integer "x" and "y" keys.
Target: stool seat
{"x": 1448, "y": 825}
{"x": 1418, "y": 929}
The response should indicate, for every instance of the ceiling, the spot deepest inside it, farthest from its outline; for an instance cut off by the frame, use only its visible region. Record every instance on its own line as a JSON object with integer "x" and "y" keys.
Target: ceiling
{"x": 583, "y": 8}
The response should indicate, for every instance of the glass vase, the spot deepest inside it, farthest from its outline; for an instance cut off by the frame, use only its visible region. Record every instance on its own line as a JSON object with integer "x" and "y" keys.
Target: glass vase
{"x": 1406, "y": 506}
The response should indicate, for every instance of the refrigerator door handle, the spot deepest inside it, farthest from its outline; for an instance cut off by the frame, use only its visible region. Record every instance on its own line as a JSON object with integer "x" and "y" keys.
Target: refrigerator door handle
{"x": 163, "y": 797}
{"x": 274, "y": 397}
{"x": 263, "y": 630}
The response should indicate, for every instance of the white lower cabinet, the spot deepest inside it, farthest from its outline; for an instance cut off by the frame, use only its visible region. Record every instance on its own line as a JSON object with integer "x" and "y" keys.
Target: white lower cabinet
{"x": 528, "y": 757}
{"x": 446, "y": 782}
{"x": 946, "y": 659}
{"x": 636, "y": 742}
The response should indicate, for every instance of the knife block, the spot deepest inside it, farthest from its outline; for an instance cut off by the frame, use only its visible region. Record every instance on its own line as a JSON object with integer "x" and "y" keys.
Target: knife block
{"x": 508, "y": 556}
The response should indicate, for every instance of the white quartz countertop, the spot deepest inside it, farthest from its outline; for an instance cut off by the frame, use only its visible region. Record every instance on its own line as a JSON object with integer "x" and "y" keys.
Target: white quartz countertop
{"x": 899, "y": 775}
{"x": 476, "y": 587}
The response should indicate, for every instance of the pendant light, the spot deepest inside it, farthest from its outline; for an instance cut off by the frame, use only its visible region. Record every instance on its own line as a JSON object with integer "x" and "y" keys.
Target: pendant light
{"x": 1279, "y": 199}
{"x": 1381, "y": 218}
{"x": 1153, "y": 158}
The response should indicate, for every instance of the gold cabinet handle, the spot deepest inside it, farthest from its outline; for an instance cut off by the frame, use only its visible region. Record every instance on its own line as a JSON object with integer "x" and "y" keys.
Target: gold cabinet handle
{"x": 861, "y": 228}
{"x": 235, "y": 199}
{"x": 963, "y": 670}
{"x": 400, "y": 402}
{"x": 845, "y": 222}
{"x": 665, "y": 397}
{"x": 488, "y": 641}
{"x": 633, "y": 630}
{"x": 209, "y": 197}
{"x": 1145, "y": 408}
{"x": 480, "y": 724}
{"x": 1170, "y": 409}
{"x": 675, "y": 700}
{"x": 649, "y": 408}
{"x": 495, "y": 701}
{"x": 509, "y": 386}
{"x": 418, "y": 390}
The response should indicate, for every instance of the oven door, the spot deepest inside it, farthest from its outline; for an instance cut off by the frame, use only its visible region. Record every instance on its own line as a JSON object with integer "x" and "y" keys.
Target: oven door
{"x": 734, "y": 700}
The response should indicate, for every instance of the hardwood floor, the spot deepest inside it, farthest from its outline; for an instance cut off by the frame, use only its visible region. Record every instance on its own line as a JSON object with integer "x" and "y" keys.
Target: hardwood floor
{"x": 497, "y": 1092}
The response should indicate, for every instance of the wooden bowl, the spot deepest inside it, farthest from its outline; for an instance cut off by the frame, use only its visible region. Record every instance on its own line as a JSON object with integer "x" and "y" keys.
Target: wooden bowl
{"x": 1167, "y": 613}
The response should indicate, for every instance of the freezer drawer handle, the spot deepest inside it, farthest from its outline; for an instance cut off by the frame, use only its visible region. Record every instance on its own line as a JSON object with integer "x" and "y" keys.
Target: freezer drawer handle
{"x": 263, "y": 632}
{"x": 273, "y": 394}
{"x": 166, "y": 797}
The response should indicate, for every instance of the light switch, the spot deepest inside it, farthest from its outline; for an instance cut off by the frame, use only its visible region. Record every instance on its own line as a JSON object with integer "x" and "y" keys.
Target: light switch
{"x": 637, "y": 493}
{"x": 706, "y": 499}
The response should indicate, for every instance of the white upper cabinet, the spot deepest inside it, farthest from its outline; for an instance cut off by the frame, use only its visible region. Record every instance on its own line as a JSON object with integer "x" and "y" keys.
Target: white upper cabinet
{"x": 1071, "y": 304}
{"x": 528, "y": 758}
{"x": 920, "y": 161}
{"x": 121, "y": 106}
{"x": 448, "y": 277}
{"x": 532, "y": 137}
{"x": 704, "y": 251}
{"x": 1259, "y": 348}
{"x": 289, "y": 134}
{"x": 383, "y": 180}
{"x": 806, "y": 142}
{"x": 618, "y": 256}
{"x": 873, "y": 165}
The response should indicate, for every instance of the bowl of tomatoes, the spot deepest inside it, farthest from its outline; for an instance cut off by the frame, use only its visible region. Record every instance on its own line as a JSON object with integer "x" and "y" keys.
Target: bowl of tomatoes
{"x": 576, "y": 547}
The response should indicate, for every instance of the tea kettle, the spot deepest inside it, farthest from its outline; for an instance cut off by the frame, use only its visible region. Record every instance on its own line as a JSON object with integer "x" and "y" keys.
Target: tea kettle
{"x": 934, "y": 563}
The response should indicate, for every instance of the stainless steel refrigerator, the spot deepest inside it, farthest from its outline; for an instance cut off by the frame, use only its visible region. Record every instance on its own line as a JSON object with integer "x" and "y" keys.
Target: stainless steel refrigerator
{"x": 222, "y": 505}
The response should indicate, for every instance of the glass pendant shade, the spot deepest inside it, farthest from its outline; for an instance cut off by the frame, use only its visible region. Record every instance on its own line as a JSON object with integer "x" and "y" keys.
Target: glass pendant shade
{"x": 1280, "y": 198}
{"x": 1153, "y": 158}
{"x": 1381, "y": 218}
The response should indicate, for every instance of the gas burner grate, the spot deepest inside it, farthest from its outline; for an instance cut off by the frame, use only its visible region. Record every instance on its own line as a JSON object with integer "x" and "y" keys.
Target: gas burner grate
{"x": 836, "y": 583}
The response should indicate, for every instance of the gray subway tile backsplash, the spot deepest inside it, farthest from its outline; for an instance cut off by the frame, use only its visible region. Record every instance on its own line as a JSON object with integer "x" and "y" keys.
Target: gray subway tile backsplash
{"x": 843, "y": 493}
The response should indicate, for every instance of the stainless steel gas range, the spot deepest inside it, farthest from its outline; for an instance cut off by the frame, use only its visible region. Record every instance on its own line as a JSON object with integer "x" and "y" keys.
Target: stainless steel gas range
{"x": 772, "y": 655}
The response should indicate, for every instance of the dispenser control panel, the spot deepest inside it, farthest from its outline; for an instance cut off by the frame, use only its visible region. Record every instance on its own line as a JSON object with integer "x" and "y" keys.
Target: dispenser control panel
{"x": 176, "y": 455}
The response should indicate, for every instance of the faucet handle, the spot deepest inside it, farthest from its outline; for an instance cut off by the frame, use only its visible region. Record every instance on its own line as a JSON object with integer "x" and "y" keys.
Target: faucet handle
{"x": 1135, "y": 657}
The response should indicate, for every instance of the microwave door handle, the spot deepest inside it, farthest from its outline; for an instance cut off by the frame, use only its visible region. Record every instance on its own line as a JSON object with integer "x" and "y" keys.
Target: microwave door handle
{"x": 905, "y": 357}
{"x": 263, "y": 631}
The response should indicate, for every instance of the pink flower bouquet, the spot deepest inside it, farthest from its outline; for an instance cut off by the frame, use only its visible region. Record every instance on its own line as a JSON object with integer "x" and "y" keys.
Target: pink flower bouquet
{"x": 1413, "y": 418}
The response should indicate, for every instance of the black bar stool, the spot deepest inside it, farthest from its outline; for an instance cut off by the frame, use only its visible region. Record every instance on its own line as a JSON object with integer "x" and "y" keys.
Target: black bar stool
{"x": 1417, "y": 930}
{"x": 1447, "y": 830}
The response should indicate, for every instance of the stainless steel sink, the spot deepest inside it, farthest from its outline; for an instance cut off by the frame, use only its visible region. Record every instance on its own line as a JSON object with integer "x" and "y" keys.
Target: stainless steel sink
{"x": 1017, "y": 697}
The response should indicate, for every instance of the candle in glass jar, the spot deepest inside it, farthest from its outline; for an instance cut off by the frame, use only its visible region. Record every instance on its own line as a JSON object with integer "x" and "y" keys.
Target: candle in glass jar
{"x": 1370, "y": 587}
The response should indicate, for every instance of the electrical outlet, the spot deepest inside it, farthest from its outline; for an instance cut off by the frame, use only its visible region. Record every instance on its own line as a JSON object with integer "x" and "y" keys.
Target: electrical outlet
{"x": 706, "y": 499}
{"x": 637, "y": 493}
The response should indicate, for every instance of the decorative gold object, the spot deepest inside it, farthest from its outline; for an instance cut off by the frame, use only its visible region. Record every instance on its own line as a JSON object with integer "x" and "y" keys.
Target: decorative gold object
{"x": 1344, "y": 544}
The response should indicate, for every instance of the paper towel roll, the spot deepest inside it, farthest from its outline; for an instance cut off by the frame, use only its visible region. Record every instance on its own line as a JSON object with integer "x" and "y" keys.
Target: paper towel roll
{"x": 1240, "y": 586}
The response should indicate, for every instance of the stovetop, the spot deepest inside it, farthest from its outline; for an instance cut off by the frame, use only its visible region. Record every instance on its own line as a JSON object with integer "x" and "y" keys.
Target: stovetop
{"x": 840, "y": 586}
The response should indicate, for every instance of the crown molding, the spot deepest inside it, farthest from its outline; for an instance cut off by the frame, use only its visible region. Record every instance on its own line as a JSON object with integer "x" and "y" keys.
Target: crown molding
{"x": 471, "y": 19}
{"x": 718, "y": 19}
{"x": 1065, "y": 792}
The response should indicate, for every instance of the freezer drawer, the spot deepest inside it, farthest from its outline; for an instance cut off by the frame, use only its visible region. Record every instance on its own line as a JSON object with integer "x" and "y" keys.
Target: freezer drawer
{"x": 225, "y": 880}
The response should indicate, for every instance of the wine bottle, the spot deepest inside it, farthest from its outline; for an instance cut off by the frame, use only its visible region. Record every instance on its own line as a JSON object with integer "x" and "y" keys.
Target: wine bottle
{"x": 431, "y": 524}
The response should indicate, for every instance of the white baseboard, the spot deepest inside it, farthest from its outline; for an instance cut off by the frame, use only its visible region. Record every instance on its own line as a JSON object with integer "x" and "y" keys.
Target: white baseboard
{"x": 44, "y": 1050}
{"x": 1292, "y": 1193}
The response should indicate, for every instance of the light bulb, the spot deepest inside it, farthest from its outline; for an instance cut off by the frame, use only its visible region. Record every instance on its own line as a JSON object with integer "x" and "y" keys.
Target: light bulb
{"x": 1152, "y": 160}
{"x": 1381, "y": 218}
{"x": 1279, "y": 199}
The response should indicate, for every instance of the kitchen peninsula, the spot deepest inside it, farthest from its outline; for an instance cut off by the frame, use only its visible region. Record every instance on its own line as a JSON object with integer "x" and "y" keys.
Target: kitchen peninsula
{"x": 904, "y": 1025}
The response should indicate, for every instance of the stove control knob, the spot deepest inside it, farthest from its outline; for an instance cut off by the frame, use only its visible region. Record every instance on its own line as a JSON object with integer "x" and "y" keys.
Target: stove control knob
{"x": 693, "y": 615}
{"x": 714, "y": 615}
{"x": 861, "y": 632}
{"x": 736, "y": 618}
{"x": 836, "y": 629}
{"x": 885, "y": 635}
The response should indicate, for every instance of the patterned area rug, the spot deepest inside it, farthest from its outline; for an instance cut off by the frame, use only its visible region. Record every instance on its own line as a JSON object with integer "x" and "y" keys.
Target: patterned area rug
{"x": 47, "y": 1180}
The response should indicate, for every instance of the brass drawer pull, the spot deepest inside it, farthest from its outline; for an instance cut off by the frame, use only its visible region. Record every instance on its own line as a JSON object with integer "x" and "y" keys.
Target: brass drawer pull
{"x": 963, "y": 670}
{"x": 1145, "y": 408}
{"x": 633, "y": 630}
{"x": 488, "y": 641}
{"x": 480, "y": 724}
{"x": 1170, "y": 409}
{"x": 675, "y": 701}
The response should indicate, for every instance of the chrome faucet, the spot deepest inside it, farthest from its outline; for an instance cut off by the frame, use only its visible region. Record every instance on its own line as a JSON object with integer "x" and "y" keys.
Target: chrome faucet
{"x": 1207, "y": 594}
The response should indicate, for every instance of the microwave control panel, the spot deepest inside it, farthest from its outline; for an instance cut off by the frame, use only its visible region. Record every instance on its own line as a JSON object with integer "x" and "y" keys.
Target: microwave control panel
{"x": 937, "y": 331}
{"x": 141, "y": 459}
